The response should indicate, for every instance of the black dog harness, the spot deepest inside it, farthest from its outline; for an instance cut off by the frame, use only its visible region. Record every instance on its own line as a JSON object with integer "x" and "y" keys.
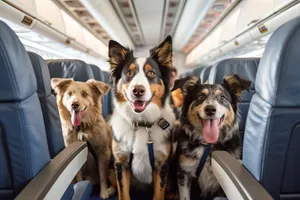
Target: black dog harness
{"x": 163, "y": 124}
{"x": 203, "y": 159}
{"x": 206, "y": 151}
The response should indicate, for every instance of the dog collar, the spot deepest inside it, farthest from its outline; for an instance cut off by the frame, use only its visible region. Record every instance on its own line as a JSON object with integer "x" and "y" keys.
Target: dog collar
{"x": 161, "y": 122}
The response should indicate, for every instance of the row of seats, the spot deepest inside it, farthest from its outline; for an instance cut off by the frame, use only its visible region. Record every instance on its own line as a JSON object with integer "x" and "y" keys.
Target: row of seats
{"x": 31, "y": 138}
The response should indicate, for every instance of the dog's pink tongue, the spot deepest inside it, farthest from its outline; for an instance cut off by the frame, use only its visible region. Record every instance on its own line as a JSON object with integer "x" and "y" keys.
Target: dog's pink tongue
{"x": 139, "y": 106}
{"x": 76, "y": 118}
{"x": 210, "y": 130}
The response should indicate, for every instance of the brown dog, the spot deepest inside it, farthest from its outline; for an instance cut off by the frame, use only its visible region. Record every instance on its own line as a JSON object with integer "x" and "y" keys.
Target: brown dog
{"x": 80, "y": 109}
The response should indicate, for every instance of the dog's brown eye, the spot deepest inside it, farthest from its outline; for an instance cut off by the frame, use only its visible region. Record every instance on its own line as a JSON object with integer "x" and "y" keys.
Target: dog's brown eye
{"x": 151, "y": 73}
{"x": 70, "y": 93}
{"x": 129, "y": 73}
{"x": 201, "y": 97}
{"x": 84, "y": 94}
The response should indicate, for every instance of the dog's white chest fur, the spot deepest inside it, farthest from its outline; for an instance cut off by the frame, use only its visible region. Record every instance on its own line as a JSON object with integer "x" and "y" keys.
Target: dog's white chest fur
{"x": 135, "y": 141}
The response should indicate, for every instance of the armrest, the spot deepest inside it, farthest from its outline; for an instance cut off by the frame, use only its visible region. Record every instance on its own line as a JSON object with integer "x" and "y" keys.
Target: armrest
{"x": 52, "y": 181}
{"x": 235, "y": 179}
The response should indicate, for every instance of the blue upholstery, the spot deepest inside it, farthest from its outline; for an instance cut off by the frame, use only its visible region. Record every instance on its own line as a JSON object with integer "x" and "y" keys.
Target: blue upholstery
{"x": 76, "y": 69}
{"x": 83, "y": 190}
{"x": 198, "y": 71}
{"x": 23, "y": 136}
{"x": 272, "y": 135}
{"x": 48, "y": 103}
{"x": 106, "y": 104}
{"x": 204, "y": 75}
{"x": 97, "y": 73}
{"x": 69, "y": 193}
{"x": 108, "y": 98}
{"x": 246, "y": 68}
{"x": 105, "y": 77}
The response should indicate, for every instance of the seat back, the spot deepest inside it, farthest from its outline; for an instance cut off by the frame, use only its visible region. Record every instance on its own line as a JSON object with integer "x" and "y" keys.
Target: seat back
{"x": 108, "y": 96}
{"x": 107, "y": 103}
{"x": 23, "y": 143}
{"x": 272, "y": 134}
{"x": 205, "y": 74}
{"x": 198, "y": 71}
{"x": 246, "y": 68}
{"x": 76, "y": 69}
{"x": 48, "y": 105}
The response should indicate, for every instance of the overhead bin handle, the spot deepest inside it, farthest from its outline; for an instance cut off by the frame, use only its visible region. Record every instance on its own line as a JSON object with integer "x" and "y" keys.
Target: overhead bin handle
{"x": 253, "y": 21}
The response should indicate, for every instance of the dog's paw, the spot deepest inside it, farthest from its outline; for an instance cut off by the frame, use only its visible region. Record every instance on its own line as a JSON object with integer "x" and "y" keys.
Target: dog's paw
{"x": 105, "y": 194}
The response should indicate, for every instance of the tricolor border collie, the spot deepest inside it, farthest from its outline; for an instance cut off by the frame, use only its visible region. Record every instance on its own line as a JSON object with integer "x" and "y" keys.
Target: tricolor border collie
{"x": 209, "y": 122}
{"x": 142, "y": 116}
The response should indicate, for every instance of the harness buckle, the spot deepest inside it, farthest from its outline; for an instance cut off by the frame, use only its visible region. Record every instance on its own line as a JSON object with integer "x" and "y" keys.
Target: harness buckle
{"x": 135, "y": 125}
{"x": 150, "y": 141}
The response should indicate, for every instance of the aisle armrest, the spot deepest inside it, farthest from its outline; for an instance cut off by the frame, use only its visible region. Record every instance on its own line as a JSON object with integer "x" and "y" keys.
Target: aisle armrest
{"x": 235, "y": 179}
{"x": 53, "y": 180}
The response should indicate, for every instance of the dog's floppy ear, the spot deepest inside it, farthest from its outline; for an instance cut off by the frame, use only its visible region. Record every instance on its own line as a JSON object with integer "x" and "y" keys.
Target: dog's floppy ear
{"x": 101, "y": 87}
{"x": 236, "y": 84}
{"x": 186, "y": 84}
{"x": 60, "y": 84}
{"x": 163, "y": 53}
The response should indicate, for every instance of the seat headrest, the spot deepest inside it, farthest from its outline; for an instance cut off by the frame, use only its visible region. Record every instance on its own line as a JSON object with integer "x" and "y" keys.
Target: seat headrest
{"x": 205, "y": 74}
{"x": 277, "y": 80}
{"x": 197, "y": 71}
{"x": 246, "y": 68}
{"x": 17, "y": 79}
{"x": 97, "y": 72}
{"x": 42, "y": 74}
{"x": 76, "y": 69}
{"x": 105, "y": 76}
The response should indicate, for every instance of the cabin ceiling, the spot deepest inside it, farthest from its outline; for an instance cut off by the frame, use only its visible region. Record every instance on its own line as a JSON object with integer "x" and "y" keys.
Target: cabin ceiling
{"x": 81, "y": 14}
{"x": 147, "y": 23}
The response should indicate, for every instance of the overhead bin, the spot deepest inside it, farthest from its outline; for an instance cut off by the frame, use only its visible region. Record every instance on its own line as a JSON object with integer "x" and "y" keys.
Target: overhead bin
{"x": 94, "y": 44}
{"x": 73, "y": 29}
{"x": 50, "y": 13}
{"x": 43, "y": 22}
{"x": 231, "y": 36}
{"x": 252, "y": 11}
{"x": 25, "y": 5}
{"x": 272, "y": 24}
{"x": 11, "y": 14}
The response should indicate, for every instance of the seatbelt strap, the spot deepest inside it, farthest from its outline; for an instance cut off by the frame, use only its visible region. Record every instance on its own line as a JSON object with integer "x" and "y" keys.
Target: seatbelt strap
{"x": 203, "y": 159}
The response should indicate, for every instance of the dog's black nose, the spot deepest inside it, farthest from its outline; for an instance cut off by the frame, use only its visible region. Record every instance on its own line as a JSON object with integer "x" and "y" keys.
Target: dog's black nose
{"x": 138, "y": 90}
{"x": 75, "y": 105}
{"x": 210, "y": 110}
